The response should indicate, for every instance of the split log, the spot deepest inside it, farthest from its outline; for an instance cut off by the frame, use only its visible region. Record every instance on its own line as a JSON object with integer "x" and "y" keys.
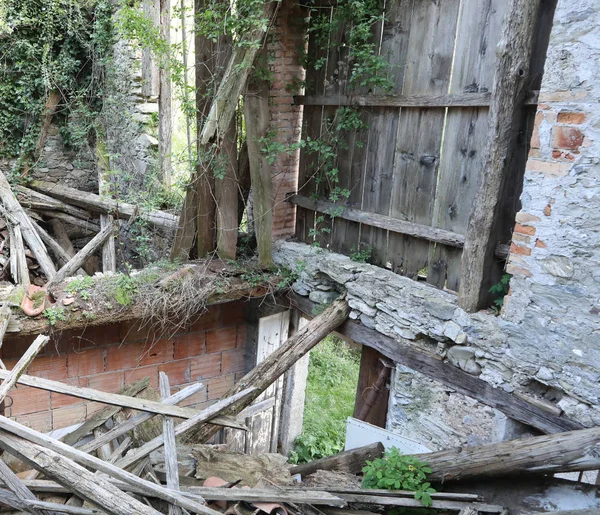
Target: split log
{"x": 109, "y": 253}
{"x": 34, "y": 242}
{"x": 234, "y": 79}
{"x": 351, "y": 461}
{"x": 13, "y": 376}
{"x": 171, "y": 466}
{"x": 279, "y": 361}
{"x": 207, "y": 414}
{"x": 73, "y": 476}
{"x": 105, "y": 206}
{"x": 55, "y": 459}
{"x": 509, "y": 90}
{"x": 256, "y": 108}
{"x": 37, "y": 201}
{"x": 548, "y": 454}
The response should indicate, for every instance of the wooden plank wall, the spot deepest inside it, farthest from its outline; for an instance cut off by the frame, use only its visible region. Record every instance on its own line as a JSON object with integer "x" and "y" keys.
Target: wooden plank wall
{"x": 418, "y": 164}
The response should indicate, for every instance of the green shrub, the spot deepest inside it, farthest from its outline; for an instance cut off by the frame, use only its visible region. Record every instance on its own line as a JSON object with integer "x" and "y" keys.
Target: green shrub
{"x": 395, "y": 471}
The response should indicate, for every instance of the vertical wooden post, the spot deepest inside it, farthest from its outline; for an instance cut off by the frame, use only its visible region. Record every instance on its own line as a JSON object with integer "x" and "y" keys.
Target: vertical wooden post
{"x": 109, "y": 253}
{"x": 511, "y": 78}
{"x": 150, "y": 79}
{"x": 165, "y": 108}
{"x": 226, "y": 195}
{"x": 368, "y": 375}
{"x": 256, "y": 112}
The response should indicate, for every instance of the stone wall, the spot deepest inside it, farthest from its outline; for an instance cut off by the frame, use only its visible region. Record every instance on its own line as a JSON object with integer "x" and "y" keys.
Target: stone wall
{"x": 212, "y": 350}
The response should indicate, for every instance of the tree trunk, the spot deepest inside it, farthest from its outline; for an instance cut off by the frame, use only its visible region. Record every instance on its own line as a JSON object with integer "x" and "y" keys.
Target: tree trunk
{"x": 351, "y": 461}
{"x": 280, "y": 360}
{"x": 257, "y": 114}
{"x": 548, "y": 454}
{"x": 165, "y": 102}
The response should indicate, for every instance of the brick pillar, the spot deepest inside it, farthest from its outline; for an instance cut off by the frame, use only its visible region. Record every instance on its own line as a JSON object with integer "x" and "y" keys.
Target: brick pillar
{"x": 285, "y": 47}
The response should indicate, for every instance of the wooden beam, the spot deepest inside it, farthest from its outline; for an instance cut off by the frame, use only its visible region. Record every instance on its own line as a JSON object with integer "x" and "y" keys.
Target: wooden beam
{"x": 256, "y": 108}
{"x": 15, "y": 436}
{"x": 372, "y": 392}
{"x": 416, "y": 359}
{"x": 17, "y": 213}
{"x": 171, "y": 467}
{"x": 37, "y": 201}
{"x": 13, "y": 376}
{"x": 63, "y": 239}
{"x": 165, "y": 101}
{"x": 18, "y": 260}
{"x": 508, "y": 93}
{"x": 547, "y": 454}
{"x": 109, "y": 253}
{"x": 15, "y": 485}
{"x": 451, "y": 100}
{"x": 425, "y": 232}
{"x": 105, "y": 205}
{"x": 77, "y": 261}
{"x": 279, "y": 361}
{"x": 351, "y": 461}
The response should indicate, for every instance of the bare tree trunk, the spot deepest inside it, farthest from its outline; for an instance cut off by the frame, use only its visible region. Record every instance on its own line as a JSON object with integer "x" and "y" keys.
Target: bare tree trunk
{"x": 165, "y": 105}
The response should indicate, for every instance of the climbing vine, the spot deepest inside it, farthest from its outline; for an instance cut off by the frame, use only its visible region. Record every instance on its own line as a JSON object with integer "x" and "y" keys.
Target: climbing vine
{"x": 51, "y": 46}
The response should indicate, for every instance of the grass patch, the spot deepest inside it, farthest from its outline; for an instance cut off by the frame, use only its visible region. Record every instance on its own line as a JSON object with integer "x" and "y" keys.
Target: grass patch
{"x": 330, "y": 395}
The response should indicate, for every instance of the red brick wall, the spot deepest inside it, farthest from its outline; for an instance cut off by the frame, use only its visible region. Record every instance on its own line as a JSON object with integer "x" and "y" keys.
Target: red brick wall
{"x": 212, "y": 350}
{"x": 284, "y": 47}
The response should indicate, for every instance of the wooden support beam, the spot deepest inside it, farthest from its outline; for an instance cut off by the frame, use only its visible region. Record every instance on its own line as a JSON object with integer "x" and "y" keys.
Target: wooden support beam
{"x": 513, "y": 57}
{"x": 279, "y": 361}
{"x": 256, "y": 108}
{"x": 450, "y": 100}
{"x": 351, "y": 461}
{"x": 548, "y": 454}
{"x": 424, "y": 232}
{"x": 171, "y": 466}
{"x": 17, "y": 213}
{"x": 416, "y": 359}
{"x": 13, "y": 376}
{"x": 109, "y": 253}
{"x": 18, "y": 260}
{"x": 55, "y": 456}
{"x": 37, "y": 201}
{"x": 77, "y": 261}
{"x": 105, "y": 206}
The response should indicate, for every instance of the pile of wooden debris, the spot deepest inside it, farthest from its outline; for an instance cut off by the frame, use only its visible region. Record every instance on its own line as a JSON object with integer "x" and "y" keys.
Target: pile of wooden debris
{"x": 95, "y": 468}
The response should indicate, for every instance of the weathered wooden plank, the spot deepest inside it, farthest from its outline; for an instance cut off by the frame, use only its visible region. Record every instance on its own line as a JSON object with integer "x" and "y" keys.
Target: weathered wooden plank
{"x": 49, "y": 451}
{"x": 25, "y": 360}
{"x": 109, "y": 253}
{"x": 170, "y": 446}
{"x": 15, "y": 485}
{"x": 510, "y": 79}
{"x": 31, "y": 199}
{"x": 466, "y": 132}
{"x": 454, "y": 100}
{"x": 31, "y": 237}
{"x": 18, "y": 260}
{"x": 372, "y": 393}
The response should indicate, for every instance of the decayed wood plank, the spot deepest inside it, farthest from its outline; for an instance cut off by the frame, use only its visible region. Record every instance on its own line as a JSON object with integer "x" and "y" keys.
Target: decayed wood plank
{"x": 18, "y": 261}
{"x": 52, "y": 507}
{"x": 351, "y": 461}
{"x": 203, "y": 416}
{"x": 73, "y": 476}
{"x": 37, "y": 201}
{"x": 115, "y": 399}
{"x": 105, "y": 206}
{"x": 64, "y": 240}
{"x": 452, "y": 496}
{"x": 59, "y": 253}
{"x": 55, "y": 457}
{"x": 414, "y": 503}
{"x": 77, "y": 261}
{"x": 34, "y": 242}
{"x": 15, "y": 485}
{"x": 101, "y": 416}
{"x": 109, "y": 253}
{"x": 172, "y": 469}
{"x": 450, "y": 375}
{"x": 140, "y": 418}
{"x": 285, "y": 495}
{"x": 448, "y": 100}
{"x": 269, "y": 370}
{"x": 548, "y": 454}
{"x": 12, "y": 377}
{"x": 256, "y": 108}
{"x": 511, "y": 75}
